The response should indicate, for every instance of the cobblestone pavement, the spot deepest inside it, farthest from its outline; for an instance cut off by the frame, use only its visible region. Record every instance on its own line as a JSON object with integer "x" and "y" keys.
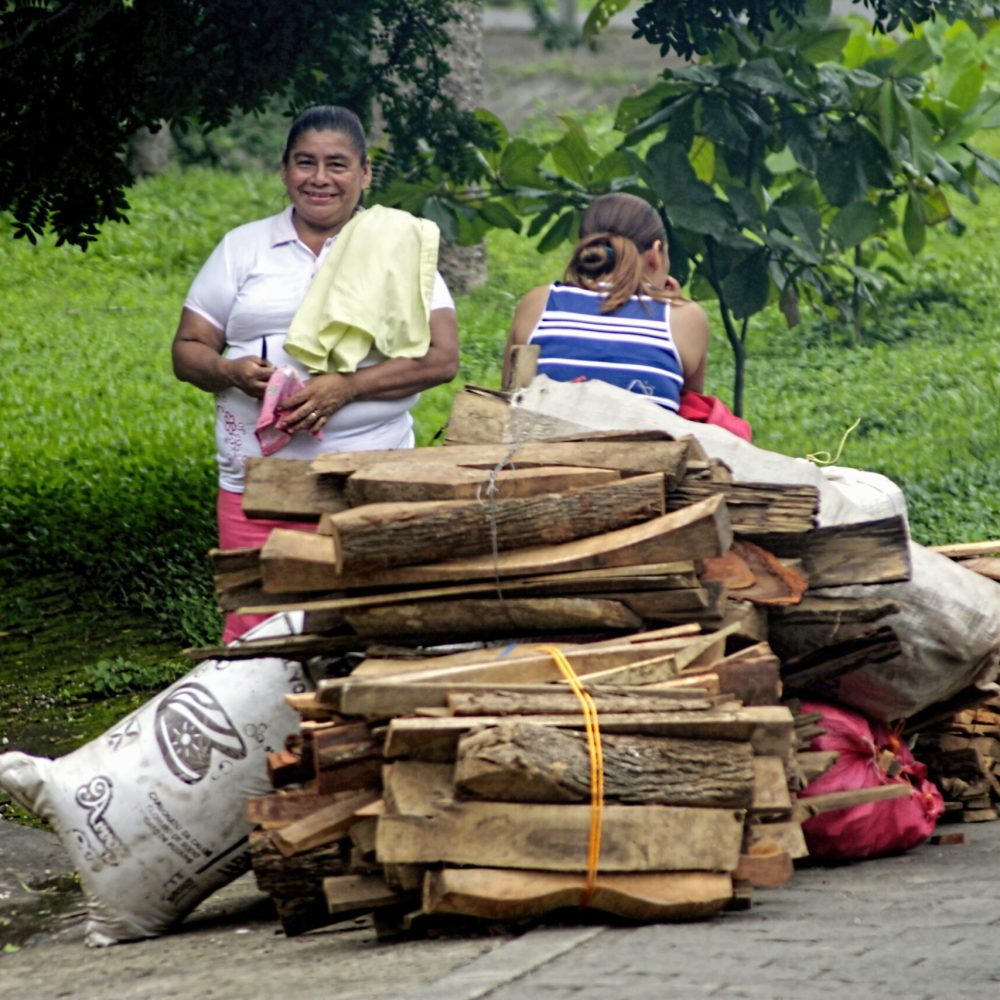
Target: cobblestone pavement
{"x": 921, "y": 925}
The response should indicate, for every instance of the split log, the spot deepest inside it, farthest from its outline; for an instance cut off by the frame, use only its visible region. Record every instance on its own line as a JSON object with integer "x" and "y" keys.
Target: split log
{"x": 298, "y": 561}
{"x": 645, "y": 453}
{"x": 652, "y": 576}
{"x": 480, "y": 617}
{"x": 769, "y": 729}
{"x": 402, "y": 481}
{"x": 380, "y": 535}
{"x": 505, "y": 894}
{"x": 520, "y": 762}
{"x": 285, "y": 488}
{"x": 555, "y": 837}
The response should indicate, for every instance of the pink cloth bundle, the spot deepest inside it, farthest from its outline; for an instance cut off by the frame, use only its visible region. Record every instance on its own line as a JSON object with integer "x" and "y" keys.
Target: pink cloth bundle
{"x": 270, "y": 427}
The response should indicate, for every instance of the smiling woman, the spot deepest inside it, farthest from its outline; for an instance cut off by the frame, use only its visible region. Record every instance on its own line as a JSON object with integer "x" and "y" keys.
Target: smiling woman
{"x": 231, "y": 340}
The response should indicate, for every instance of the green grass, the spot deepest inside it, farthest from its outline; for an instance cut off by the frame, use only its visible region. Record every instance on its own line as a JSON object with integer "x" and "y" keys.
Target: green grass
{"x": 106, "y": 463}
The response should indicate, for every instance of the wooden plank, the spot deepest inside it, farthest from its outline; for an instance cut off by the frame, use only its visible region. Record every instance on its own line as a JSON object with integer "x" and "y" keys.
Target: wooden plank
{"x": 520, "y": 762}
{"x": 768, "y": 869}
{"x": 984, "y": 566}
{"x": 642, "y": 455}
{"x": 285, "y": 488}
{"x": 384, "y": 699}
{"x": 323, "y": 826}
{"x": 271, "y": 812}
{"x": 416, "y": 787}
{"x": 813, "y": 805}
{"x": 785, "y": 836}
{"x": 381, "y": 535}
{"x": 555, "y": 837}
{"x": 664, "y": 668}
{"x": 509, "y": 894}
{"x": 666, "y": 576}
{"x": 522, "y": 366}
{"x": 347, "y": 895}
{"x": 966, "y": 550}
{"x": 770, "y": 788}
{"x": 398, "y": 481}
{"x": 478, "y": 416}
{"x": 300, "y": 561}
{"x": 519, "y": 664}
{"x": 769, "y": 729}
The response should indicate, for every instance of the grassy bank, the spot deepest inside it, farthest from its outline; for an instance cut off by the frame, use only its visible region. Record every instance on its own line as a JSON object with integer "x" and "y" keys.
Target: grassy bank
{"x": 106, "y": 463}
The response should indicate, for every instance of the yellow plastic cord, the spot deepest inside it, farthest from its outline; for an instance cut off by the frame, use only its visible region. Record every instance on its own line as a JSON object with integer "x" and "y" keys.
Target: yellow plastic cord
{"x": 823, "y": 457}
{"x": 596, "y": 768}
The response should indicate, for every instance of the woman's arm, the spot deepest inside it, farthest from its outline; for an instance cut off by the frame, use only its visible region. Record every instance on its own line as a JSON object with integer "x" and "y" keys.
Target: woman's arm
{"x": 526, "y": 316}
{"x": 689, "y": 327}
{"x": 197, "y": 357}
{"x": 393, "y": 378}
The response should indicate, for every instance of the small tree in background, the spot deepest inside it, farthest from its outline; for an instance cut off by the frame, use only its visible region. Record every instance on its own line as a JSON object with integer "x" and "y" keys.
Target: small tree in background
{"x": 791, "y": 163}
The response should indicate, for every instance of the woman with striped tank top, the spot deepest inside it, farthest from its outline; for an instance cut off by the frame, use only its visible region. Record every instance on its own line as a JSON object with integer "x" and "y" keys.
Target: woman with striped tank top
{"x": 617, "y": 316}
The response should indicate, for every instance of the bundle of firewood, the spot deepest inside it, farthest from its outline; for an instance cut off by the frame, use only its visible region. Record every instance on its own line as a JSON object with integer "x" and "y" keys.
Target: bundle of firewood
{"x": 962, "y": 753}
{"x": 442, "y": 765}
{"x": 423, "y": 790}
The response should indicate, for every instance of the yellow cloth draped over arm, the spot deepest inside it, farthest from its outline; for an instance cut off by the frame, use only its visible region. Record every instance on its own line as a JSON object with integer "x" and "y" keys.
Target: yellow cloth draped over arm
{"x": 374, "y": 288}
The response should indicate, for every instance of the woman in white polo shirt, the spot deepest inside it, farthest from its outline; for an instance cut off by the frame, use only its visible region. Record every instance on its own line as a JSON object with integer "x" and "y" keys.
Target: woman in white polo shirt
{"x": 231, "y": 336}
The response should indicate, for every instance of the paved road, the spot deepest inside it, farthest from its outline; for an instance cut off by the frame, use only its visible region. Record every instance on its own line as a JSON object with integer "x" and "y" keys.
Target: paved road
{"x": 922, "y": 925}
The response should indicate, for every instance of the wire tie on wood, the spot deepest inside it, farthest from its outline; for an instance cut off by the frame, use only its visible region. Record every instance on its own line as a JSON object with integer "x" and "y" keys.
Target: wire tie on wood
{"x": 596, "y": 755}
{"x": 823, "y": 457}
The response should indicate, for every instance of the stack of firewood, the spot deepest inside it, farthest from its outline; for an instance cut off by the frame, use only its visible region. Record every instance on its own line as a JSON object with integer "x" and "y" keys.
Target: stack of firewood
{"x": 444, "y": 769}
{"x": 463, "y": 786}
{"x": 962, "y": 753}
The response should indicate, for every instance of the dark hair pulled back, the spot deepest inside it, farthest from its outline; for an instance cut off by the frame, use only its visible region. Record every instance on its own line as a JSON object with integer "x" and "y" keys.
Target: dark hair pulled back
{"x": 615, "y": 231}
{"x": 328, "y": 118}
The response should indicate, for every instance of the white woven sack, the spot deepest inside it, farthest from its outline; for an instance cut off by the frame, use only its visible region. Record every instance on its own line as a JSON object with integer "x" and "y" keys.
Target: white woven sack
{"x": 153, "y": 812}
{"x": 948, "y": 624}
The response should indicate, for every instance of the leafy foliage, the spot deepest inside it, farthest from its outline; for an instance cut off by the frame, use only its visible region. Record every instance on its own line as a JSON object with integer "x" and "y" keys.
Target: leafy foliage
{"x": 690, "y": 27}
{"x": 801, "y": 164}
{"x": 77, "y": 80}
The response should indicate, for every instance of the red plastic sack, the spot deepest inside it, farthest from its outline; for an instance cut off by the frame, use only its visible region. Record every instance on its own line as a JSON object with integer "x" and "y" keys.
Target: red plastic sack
{"x": 711, "y": 410}
{"x": 874, "y": 828}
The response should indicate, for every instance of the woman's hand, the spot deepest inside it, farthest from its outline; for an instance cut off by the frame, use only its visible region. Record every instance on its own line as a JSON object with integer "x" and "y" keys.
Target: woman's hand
{"x": 197, "y": 355}
{"x": 318, "y": 400}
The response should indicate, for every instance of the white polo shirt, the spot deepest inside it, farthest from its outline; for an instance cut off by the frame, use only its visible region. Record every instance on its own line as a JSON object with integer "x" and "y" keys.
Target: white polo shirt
{"x": 250, "y": 288}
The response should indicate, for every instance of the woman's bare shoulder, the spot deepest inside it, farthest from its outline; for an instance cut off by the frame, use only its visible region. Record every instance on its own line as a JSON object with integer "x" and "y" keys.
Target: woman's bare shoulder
{"x": 527, "y": 313}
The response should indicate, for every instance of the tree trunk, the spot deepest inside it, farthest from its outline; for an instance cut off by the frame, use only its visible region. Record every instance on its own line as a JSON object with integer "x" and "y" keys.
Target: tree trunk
{"x": 464, "y": 267}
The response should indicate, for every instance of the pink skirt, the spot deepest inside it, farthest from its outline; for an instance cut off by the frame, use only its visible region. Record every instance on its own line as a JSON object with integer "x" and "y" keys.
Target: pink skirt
{"x": 237, "y": 531}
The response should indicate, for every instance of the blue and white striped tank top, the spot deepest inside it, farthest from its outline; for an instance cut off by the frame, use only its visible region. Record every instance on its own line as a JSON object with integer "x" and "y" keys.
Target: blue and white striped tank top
{"x": 631, "y": 347}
